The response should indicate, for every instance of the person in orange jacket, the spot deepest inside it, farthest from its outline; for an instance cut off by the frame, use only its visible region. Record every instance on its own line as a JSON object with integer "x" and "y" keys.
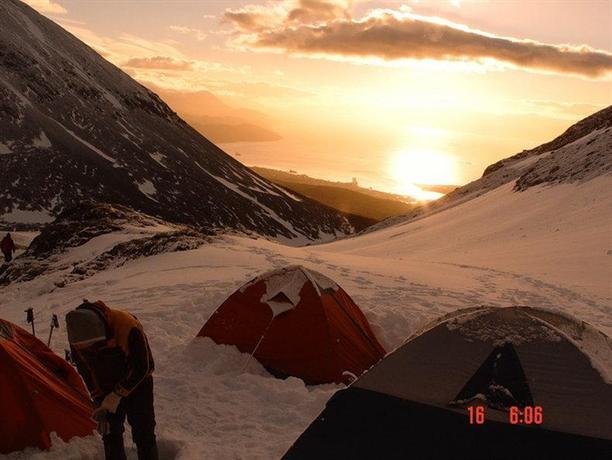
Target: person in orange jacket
{"x": 112, "y": 354}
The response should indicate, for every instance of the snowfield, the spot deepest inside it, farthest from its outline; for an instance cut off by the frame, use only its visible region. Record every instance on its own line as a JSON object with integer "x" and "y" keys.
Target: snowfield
{"x": 549, "y": 246}
{"x": 561, "y": 234}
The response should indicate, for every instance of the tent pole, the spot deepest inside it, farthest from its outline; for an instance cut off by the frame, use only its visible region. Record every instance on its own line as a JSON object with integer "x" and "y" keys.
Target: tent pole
{"x": 358, "y": 326}
{"x": 257, "y": 346}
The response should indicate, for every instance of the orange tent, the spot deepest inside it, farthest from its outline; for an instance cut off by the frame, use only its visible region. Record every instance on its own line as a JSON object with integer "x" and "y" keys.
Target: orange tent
{"x": 40, "y": 393}
{"x": 297, "y": 322}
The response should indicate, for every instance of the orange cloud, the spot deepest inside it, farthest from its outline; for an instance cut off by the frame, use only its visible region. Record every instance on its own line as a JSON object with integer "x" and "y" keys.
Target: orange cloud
{"x": 392, "y": 35}
{"x": 253, "y": 18}
{"x": 318, "y": 10}
{"x": 159, "y": 62}
{"x": 256, "y": 17}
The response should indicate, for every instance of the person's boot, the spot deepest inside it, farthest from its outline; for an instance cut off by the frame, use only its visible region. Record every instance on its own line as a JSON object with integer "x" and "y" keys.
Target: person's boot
{"x": 148, "y": 452}
{"x": 113, "y": 448}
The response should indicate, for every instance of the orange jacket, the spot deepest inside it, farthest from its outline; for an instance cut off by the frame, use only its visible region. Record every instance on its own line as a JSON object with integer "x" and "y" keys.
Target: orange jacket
{"x": 122, "y": 361}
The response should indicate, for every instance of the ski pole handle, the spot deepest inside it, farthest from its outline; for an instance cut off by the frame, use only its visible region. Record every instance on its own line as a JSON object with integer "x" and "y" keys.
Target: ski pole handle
{"x": 30, "y": 319}
{"x": 54, "y": 324}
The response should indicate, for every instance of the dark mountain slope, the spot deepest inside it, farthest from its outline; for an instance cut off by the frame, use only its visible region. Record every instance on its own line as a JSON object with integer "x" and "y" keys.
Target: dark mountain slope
{"x": 75, "y": 127}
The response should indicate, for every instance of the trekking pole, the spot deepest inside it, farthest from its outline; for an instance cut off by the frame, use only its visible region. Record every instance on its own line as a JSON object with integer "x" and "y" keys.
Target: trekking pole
{"x": 30, "y": 319}
{"x": 54, "y": 324}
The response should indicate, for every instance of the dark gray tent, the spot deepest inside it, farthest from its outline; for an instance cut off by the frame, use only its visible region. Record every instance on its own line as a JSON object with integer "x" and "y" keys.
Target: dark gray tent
{"x": 414, "y": 403}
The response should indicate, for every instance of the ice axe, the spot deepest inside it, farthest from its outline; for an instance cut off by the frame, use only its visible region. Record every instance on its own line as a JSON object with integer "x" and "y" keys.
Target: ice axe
{"x": 30, "y": 319}
{"x": 54, "y": 325}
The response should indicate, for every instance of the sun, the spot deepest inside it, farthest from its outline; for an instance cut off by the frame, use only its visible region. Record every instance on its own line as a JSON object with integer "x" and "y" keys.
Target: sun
{"x": 409, "y": 168}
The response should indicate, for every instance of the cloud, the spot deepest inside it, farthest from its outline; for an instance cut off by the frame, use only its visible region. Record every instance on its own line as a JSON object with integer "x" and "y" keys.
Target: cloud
{"x": 46, "y": 6}
{"x": 254, "y": 18}
{"x": 160, "y": 63}
{"x": 391, "y": 35}
{"x": 318, "y": 10}
{"x": 120, "y": 49}
{"x": 195, "y": 33}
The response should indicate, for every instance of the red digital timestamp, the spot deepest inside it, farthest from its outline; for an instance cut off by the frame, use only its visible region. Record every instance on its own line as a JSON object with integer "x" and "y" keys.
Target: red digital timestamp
{"x": 528, "y": 415}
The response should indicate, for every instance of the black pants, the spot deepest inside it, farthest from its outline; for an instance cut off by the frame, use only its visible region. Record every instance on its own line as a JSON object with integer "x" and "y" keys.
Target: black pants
{"x": 138, "y": 407}
{"x": 8, "y": 257}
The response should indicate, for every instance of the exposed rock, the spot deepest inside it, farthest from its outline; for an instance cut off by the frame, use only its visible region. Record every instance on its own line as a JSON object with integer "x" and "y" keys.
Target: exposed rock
{"x": 77, "y": 226}
{"x": 184, "y": 240}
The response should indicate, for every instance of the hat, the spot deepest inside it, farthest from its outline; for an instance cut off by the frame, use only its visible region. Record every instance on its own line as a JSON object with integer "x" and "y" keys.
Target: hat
{"x": 84, "y": 327}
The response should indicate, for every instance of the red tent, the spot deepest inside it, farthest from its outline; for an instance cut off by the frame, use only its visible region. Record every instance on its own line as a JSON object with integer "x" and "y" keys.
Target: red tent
{"x": 40, "y": 393}
{"x": 297, "y": 322}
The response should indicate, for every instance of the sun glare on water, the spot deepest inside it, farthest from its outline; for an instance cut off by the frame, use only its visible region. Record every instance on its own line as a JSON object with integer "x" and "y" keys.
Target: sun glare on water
{"x": 409, "y": 168}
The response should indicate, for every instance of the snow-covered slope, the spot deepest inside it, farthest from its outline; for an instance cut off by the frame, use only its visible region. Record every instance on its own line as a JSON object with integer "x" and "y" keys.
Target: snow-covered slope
{"x": 208, "y": 404}
{"x": 560, "y": 236}
{"x": 545, "y": 213}
{"x": 581, "y": 153}
{"x": 74, "y": 126}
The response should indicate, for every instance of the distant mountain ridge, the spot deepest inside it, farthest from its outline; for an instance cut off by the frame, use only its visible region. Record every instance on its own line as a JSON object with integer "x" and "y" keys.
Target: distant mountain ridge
{"x": 599, "y": 120}
{"x": 75, "y": 127}
{"x": 215, "y": 120}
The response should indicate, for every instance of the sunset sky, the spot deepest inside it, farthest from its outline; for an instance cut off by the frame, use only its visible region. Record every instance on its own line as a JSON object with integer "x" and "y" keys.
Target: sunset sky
{"x": 394, "y": 93}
